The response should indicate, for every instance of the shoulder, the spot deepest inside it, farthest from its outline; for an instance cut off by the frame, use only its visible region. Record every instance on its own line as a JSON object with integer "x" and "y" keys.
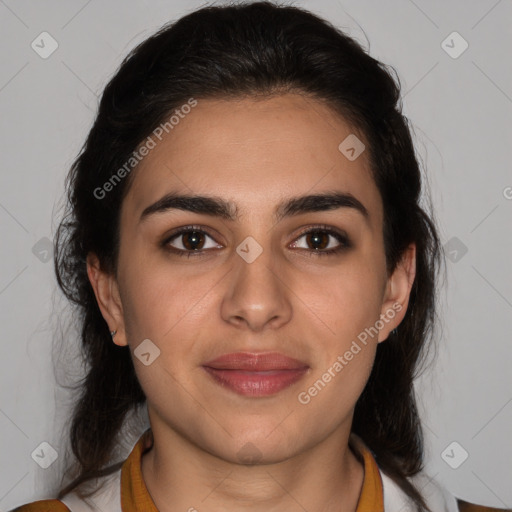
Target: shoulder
{"x": 437, "y": 497}
{"x": 43, "y": 506}
{"x": 440, "y": 497}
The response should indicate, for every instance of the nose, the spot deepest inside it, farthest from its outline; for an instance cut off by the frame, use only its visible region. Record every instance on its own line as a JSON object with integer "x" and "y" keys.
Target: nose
{"x": 257, "y": 296}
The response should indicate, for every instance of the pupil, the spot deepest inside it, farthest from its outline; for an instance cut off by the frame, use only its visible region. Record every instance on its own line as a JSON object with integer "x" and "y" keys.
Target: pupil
{"x": 191, "y": 239}
{"x": 318, "y": 239}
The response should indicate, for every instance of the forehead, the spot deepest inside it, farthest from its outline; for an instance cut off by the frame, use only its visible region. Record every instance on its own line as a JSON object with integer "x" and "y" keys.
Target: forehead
{"x": 254, "y": 152}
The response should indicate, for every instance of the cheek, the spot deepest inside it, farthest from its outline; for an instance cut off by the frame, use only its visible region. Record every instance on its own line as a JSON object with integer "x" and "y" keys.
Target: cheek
{"x": 174, "y": 312}
{"x": 347, "y": 302}
{"x": 349, "y": 306}
{"x": 162, "y": 308}
{"x": 333, "y": 391}
{"x": 157, "y": 298}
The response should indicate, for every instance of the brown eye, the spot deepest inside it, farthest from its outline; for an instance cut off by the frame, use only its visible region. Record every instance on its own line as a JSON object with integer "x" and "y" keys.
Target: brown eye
{"x": 190, "y": 241}
{"x": 322, "y": 241}
{"x": 317, "y": 240}
{"x": 193, "y": 240}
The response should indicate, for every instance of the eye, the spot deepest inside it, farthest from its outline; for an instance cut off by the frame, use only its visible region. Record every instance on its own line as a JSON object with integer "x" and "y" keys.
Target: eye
{"x": 189, "y": 241}
{"x": 318, "y": 241}
{"x": 322, "y": 240}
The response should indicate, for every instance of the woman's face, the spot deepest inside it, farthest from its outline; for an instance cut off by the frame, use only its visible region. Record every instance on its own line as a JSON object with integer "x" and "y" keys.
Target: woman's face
{"x": 259, "y": 284}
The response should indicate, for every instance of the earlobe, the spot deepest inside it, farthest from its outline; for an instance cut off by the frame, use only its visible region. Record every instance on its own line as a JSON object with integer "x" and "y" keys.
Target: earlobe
{"x": 107, "y": 296}
{"x": 398, "y": 290}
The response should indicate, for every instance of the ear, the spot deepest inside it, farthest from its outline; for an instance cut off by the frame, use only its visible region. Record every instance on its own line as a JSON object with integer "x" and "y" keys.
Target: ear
{"x": 398, "y": 290}
{"x": 108, "y": 298}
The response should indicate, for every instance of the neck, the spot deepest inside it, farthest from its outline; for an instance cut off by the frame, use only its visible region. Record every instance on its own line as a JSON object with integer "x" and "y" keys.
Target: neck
{"x": 180, "y": 475}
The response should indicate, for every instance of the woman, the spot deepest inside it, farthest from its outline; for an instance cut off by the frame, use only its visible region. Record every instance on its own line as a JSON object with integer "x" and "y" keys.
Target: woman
{"x": 246, "y": 247}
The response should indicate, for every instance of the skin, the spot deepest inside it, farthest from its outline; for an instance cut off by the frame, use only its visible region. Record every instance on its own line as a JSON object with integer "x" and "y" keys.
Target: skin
{"x": 254, "y": 153}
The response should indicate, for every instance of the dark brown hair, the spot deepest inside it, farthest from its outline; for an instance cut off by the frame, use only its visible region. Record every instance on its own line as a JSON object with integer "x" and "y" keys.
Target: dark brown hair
{"x": 236, "y": 51}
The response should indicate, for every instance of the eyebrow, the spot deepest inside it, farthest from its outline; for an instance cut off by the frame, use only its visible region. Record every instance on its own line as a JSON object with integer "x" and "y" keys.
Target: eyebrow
{"x": 218, "y": 207}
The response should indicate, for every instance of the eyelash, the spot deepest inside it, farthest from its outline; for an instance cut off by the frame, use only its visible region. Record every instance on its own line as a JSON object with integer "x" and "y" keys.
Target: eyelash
{"x": 341, "y": 237}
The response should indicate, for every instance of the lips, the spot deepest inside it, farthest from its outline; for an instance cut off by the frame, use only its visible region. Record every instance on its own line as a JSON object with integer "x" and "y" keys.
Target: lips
{"x": 255, "y": 362}
{"x": 255, "y": 374}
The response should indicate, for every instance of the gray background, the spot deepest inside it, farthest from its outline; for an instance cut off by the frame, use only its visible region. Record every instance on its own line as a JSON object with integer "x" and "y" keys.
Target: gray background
{"x": 460, "y": 109}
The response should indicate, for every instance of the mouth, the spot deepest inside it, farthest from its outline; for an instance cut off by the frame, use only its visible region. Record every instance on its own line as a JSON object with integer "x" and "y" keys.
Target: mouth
{"x": 256, "y": 374}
